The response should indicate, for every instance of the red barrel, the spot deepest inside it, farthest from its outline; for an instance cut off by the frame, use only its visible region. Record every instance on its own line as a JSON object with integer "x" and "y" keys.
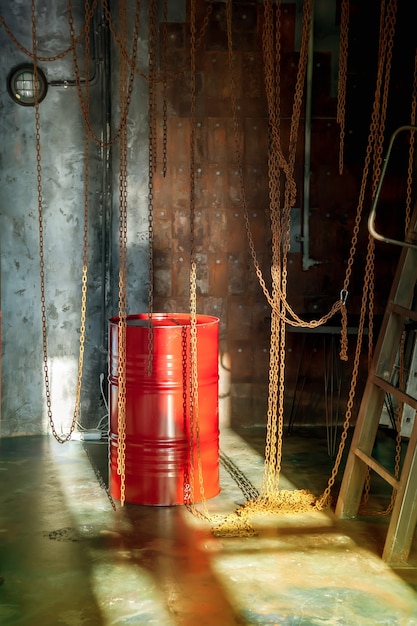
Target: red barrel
{"x": 158, "y": 450}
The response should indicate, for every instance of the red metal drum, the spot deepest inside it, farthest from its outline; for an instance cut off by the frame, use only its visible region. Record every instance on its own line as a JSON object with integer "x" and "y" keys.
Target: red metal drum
{"x": 157, "y": 420}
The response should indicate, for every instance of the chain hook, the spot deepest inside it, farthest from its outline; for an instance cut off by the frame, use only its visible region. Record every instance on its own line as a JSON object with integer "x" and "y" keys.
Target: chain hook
{"x": 344, "y": 296}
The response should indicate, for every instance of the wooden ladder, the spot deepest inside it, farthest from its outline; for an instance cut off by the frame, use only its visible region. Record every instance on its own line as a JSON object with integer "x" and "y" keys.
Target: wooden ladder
{"x": 398, "y": 314}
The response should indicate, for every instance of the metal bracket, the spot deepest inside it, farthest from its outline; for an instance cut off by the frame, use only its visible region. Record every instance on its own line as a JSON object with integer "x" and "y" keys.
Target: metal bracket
{"x": 371, "y": 219}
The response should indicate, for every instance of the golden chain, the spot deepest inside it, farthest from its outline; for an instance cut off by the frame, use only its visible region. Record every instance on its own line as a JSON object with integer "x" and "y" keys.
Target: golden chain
{"x": 194, "y": 425}
{"x": 67, "y": 437}
{"x": 385, "y": 32}
{"x": 281, "y": 236}
{"x": 270, "y": 500}
{"x": 273, "y": 440}
{"x": 279, "y": 301}
{"x": 342, "y": 78}
{"x": 188, "y": 493}
{"x": 121, "y": 398}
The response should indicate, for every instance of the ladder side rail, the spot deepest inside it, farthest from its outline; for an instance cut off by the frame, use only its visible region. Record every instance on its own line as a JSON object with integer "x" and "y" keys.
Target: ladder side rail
{"x": 364, "y": 435}
{"x": 409, "y": 412}
{"x": 404, "y": 514}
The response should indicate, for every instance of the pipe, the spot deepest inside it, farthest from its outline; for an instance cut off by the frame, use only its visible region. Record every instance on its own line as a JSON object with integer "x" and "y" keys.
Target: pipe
{"x": 103, "y": 62}
{"x": 307, "y": 261}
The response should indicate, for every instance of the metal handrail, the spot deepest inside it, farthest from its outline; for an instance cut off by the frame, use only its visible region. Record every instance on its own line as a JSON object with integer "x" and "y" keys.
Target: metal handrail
{"x": 371, "y": 219}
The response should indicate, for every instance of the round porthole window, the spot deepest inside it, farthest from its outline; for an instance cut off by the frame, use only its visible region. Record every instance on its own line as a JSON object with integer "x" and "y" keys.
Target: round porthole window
{"x": 21, "y": 85}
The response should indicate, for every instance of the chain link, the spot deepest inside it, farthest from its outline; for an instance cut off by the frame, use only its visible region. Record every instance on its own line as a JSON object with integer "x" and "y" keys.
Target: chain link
{"x": 194, "y": 422}
{"x": 279, "y": 218}
{"x": 164, "y": 89}
{"x": 342, "y": 79}
{"x": 152, "y": 161}
{"x": 67, "y": 437}
{"x": 55, "y": 57}
{"x": 387, "y": 30}
{"x": 410, "y": 170}
{"x": 124, "y": 106}
{"x": 124, "y": 54}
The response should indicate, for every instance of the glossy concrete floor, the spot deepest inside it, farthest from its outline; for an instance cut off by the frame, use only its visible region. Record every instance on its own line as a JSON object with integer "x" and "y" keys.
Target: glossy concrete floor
{"x": 67, "y": 557}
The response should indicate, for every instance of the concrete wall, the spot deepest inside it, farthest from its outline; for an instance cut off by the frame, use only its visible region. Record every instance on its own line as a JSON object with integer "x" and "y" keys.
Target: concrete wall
{"x": 62, "y": 132}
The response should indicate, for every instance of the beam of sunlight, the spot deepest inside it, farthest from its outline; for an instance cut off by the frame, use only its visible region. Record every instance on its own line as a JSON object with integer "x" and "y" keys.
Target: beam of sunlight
{"x": 159, "y": 565}
{"x": 63, "y": 372}
{"x": 121, "y": 586}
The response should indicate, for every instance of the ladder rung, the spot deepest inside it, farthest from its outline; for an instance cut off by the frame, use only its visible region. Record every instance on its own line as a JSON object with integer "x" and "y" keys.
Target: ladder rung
{"x": 394, "y": 391}
{"x": 377, "y": 467}
{"x": 402, "y": 310}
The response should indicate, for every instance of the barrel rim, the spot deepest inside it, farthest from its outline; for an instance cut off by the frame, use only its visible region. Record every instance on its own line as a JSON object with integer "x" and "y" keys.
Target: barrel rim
{"x": 201, "y": 319}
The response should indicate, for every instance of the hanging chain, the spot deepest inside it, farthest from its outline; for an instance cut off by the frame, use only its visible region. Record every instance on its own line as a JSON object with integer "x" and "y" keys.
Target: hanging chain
{"x": 67, "y": 437}
{"x": 386, "y": 34}
{"x": 132, "y": 63}
{"x": 273, "y": 441}
{"x": 188, "y": 492}
{"x": 55, "y": 57}
{"x": 124, "y": 54}
{"x": 164, "y": 90}
{"x": 281, "y": 233}
{"x": 122, "y": 320}
{"x": 410, "y": 170}
{"x": 152, "y": 160}
{"x": 342, "y": 78}
{"x": 279, "y": 302}
{"x": 270, "y": 501}
{"x": 194, "y": 425}
{"x": 388, "y": 21}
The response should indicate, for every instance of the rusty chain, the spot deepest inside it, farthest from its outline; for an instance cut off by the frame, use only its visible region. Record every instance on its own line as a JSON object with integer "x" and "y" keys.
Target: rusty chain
{"x": 60, "y": 55}
{"x": 122, "y": 319}
{"x": 342, "y": 79}
{"x": 124, "y": 54}
{"x": 282, "y": 309}
{"x": 152, "y": 160}
{"x": 269, "y": 499}
{"x": 194, "y": 423}
{"x": 410, "y": 169}
{"x": 164, "y": 88}
{"x": 124, "y": 106}
{"x": 279, "y": 272}
{"x": 387, "y": 31}
{"x": 59, "y": 438}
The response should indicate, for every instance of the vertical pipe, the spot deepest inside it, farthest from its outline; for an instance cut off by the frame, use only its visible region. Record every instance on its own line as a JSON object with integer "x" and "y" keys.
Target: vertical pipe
{"x": 307, "y": 261}
{"x": 102, "y": 34}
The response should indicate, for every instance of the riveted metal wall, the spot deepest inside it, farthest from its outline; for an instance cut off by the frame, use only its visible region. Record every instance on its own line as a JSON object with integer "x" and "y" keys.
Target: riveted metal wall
{"x": 227, "y": 286}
